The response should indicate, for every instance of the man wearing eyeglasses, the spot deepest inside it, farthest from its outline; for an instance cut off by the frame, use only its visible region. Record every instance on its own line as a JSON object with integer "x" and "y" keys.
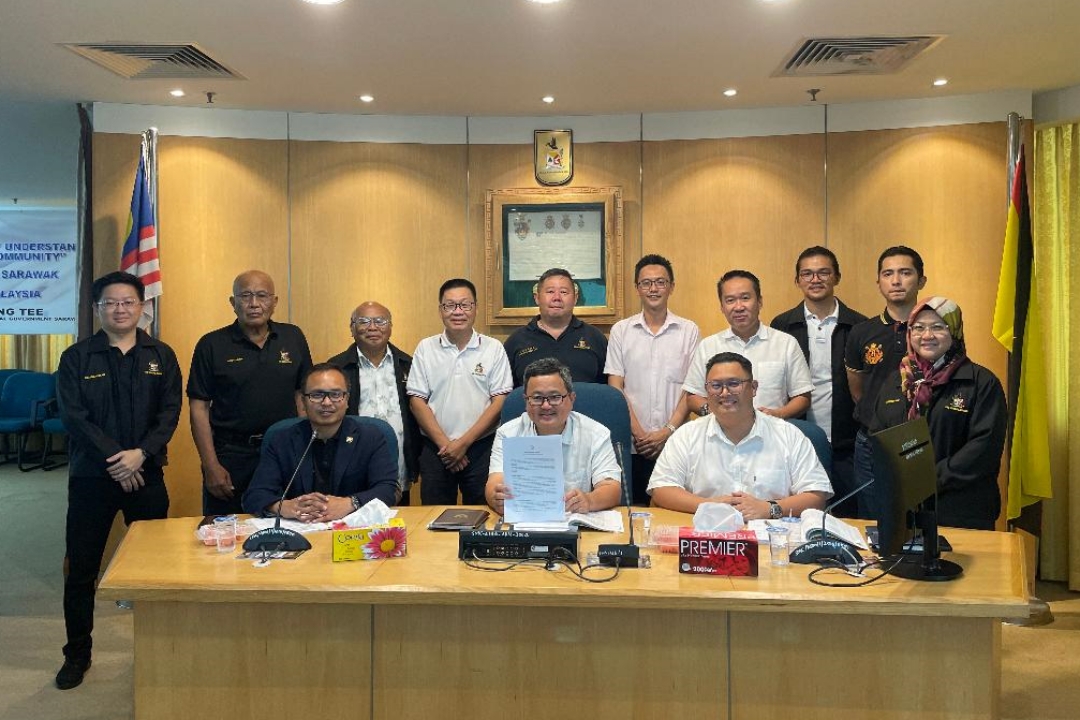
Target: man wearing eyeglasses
{"x": 120, "y": 394}
{"x": 761, "y": 465}
{"x": 647, "y": 358}
{"x": 591, "y": 474}
{"x": 378, "y": 372}
{"x": 821, "y": 325}
{"x": 244, "y": 378}
{"x": 782, "y": 373}
{"x": 556, "y": 332}
{"x": 348, "y": 464}
{"x": 457, "y": 387}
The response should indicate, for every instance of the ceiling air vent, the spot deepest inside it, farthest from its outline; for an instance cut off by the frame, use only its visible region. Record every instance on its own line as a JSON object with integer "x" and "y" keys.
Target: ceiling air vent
{"x": 855, "y": 55}
{"x": 154, "y": 61}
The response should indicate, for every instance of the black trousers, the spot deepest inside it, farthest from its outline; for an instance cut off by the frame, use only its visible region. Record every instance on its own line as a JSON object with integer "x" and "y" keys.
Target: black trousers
{"x": 439, "y": 486}
{"x": 92, "y": 505}
{"x": 240, "y": 461}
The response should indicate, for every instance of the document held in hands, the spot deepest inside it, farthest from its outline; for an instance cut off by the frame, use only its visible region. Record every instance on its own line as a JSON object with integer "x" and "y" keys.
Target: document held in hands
{"x": 533, "y": 471}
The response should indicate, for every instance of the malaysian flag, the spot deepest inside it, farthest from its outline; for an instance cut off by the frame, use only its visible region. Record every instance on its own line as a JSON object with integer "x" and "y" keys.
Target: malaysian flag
{"x": 140, "y": 254}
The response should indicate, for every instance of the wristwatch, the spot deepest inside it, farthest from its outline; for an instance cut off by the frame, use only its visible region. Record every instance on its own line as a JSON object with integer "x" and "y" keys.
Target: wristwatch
{"x": 775, "y": 511}
{"x": 356, "y": 503}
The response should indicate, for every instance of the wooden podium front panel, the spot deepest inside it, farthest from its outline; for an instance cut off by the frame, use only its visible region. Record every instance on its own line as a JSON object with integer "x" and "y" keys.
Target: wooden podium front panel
{"x": 475, "y": 661}
{"x": 252, "y": 660}
{"x": 856, "y": 667}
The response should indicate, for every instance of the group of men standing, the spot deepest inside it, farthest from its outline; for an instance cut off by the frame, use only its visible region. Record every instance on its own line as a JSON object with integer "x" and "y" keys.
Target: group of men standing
{"x": 120, "y": 398}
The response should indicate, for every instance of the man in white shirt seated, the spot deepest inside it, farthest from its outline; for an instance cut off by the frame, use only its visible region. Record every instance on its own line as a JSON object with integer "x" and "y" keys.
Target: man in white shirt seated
{"x": 761, "y": 465}
{"x": 591, "y": 473}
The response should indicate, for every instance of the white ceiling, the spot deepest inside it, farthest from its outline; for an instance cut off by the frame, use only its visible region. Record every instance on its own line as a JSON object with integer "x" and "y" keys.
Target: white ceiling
{"x": 499, "y": 57}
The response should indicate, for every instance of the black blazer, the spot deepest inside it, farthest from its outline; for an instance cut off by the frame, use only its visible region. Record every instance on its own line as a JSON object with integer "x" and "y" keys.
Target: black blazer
{"x": 363, "y": 467}
{"x": 412, "y": 442}
{"x": 793, "y": 322}
{"x": 967, "y": 418}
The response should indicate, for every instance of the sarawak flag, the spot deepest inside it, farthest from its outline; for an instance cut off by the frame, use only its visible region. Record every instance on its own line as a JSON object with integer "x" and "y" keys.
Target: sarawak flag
{"x": 1018, "y": 326}
{"x": 140, "y": 254}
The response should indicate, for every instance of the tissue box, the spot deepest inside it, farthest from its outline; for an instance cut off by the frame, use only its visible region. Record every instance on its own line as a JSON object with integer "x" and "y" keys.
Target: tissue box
{"x": 371, "y": 543}
{"x": 718, "y": 553}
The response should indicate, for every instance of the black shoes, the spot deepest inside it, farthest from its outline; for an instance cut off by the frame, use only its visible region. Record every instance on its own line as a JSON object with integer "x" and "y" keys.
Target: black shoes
{"x": 71, "y": 674}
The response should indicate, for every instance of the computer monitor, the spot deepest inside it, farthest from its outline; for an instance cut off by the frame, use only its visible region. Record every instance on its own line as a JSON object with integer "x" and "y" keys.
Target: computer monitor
{"x": 906, "y": 475}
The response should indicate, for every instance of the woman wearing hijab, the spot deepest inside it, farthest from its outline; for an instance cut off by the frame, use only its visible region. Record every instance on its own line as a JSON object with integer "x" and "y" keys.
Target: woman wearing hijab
{"x": 963, "y": 404}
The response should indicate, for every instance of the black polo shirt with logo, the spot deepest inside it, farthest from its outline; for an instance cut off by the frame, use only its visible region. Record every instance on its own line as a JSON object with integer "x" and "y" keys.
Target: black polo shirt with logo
{"x": 875, "y": 348}
{"x": 581, "y": 347}
{"x": 250, "y": 388}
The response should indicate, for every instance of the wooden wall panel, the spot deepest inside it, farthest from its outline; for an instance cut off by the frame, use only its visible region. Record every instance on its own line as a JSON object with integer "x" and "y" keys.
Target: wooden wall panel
{"x": 938, "y": 190}
{"x": 338, "y": 223}
{"x": 497, "y": 167}
{"x": 222, "y": 210}
{"x": 715, "y": 205}
{"x": 374, "y": 222}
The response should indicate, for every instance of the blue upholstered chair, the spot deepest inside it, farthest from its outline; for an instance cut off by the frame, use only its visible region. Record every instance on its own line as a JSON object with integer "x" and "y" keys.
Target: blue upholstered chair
{"x": 819, "y": 440}
{"x": 51, "y": 426}
{"x": 382, "y": 425}
{"x": 24, "y": 400}
{"x": 602, "y": 403}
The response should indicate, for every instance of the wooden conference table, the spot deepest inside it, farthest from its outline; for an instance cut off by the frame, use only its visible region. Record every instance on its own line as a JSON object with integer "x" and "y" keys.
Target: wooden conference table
{"x": 428, "y": 637}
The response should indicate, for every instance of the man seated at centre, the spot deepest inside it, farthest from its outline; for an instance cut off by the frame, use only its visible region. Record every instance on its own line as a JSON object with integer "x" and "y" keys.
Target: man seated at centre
{"x": 347, "y": 465}
{"x": 591, "y": 473}
{"x": 761, "y": 465}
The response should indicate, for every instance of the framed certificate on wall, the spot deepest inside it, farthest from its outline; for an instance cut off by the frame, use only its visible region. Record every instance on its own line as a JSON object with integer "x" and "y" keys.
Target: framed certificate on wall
{"x": 530, "y": 230}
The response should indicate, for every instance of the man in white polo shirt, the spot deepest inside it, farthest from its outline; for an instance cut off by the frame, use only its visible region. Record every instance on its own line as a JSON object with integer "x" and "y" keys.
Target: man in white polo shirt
{"x": 763, "y": 466}
{"x": 456, "y": 389}
{"x": 647, "y": 358}
{"x": 591, "y": 474}
{"x": 783, "y": 377}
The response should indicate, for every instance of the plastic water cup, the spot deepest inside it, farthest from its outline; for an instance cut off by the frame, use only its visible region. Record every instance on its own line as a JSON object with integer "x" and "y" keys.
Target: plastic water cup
{"x": 225, "y": 533}
{"x": 779, "y": 554}
{"x": 641, "y": 522}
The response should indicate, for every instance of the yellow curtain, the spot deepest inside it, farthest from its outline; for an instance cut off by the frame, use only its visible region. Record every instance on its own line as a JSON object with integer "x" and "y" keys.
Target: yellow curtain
{"x": 1056, "y": 226}
{"x": 33, "y": 352}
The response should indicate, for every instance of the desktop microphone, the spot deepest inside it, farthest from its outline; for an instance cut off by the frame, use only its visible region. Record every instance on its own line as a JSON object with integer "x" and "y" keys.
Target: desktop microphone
{"x": 277, "y": 538}
{"x": 621, "y": 555}
{"x": 827, "y": 547}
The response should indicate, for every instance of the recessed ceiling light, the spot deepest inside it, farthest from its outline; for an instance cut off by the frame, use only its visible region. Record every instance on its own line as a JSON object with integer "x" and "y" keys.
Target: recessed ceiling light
{"x": 940, "y": 82}
{"x": 367, "y": 98}
{"x": 323, "y": 2}
{"x": 731, "y": 92}
{"x": 548, "y": 99}
{"x": 177, "y": 92}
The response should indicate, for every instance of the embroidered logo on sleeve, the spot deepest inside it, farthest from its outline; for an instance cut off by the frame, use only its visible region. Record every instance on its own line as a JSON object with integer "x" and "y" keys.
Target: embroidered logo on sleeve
{"x": 873, "y": 354}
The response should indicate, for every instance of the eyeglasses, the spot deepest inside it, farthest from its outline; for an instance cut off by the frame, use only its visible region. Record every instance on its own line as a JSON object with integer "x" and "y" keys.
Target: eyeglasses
{"x": 935, "y": 329}
{"x": 379, "y": 322}
{"x": 111, "y": 305}
{"x": 822, "y": 274}
{"x": 335, "y": 396}
{"x": 552, "y": 400}
{"x": 658, "y": 283}
{"x": 732, "y": 386}
{"x": 449, "y": 307}
{"x": 262, "y": 297}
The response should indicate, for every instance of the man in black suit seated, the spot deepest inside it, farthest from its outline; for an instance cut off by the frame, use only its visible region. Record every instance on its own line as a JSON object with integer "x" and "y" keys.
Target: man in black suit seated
{"x": 349, "y": 464}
